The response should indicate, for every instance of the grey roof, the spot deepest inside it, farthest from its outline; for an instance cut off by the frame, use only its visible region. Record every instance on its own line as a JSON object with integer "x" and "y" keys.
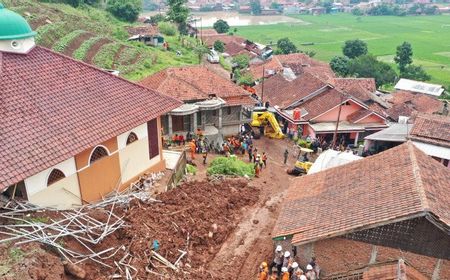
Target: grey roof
{"x": 396, "y": 132}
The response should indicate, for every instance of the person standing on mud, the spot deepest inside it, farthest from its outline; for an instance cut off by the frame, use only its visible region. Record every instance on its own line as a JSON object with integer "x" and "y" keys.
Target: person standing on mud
{"x": 263, "y": 271}
{"x": 264, "y": 159}
{"x": 286, "y": 153}
{"x": 257, "y": 169}
{"x": 205, "y": 155}
{"x": 285, "y": 273}
{"x": 277, "y": 260}
{"x": 250, "y": 153}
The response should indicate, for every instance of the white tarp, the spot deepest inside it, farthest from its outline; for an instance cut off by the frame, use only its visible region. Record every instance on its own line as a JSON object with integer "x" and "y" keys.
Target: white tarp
{"x": 332, "y": 158}
{"x": 416, "y": 86}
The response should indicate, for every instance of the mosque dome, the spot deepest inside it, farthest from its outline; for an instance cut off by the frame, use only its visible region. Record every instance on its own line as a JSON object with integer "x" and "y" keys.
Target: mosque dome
{"x": 13, "y": 26}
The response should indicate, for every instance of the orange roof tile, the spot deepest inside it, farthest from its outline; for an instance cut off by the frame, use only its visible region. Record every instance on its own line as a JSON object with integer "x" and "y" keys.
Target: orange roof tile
{"x": 432, "y": 129}
{"x": 54, "y": 107}
{"x": 191, "y": 83}
{"x": 405, "y": 103}
{"x": 397, "y": 183}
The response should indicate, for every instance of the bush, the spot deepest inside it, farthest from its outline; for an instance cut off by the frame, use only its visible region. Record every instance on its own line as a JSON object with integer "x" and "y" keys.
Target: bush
{"x": 167, "y": 28}
{"x": 242, "y": 60}
{"x": 221, "y": 26}
{"x": 190, "y": 169}
{"x": 126, "y": 10}
{"x": 230, "y": 166}
{"x": 303, "y": 143}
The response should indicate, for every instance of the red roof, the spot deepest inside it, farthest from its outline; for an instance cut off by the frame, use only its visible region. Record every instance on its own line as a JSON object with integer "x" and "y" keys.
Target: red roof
{"x": 225, "y": 38}
{"x": 148, "y": 29}
{"x": 54, "y": 107}
{"x": 432, "y": 129}
{"x": 191, "y": 83}
{"x": 348, "y": 83}
{"x": 398, "y": 183}
{"x": 405, "y": 103}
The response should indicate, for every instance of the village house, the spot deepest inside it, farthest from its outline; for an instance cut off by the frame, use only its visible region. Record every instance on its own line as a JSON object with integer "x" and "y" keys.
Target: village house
{"x": 70, "y": 133}
{"x": 310, "y": 104}
{"x": 371, "y": 213}
{"x": 211, "y": 102}
{"x": 148, "y": 35}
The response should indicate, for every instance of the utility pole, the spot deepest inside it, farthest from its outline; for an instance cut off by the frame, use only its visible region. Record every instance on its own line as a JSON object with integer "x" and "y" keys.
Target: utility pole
{"x": 337, "y": 125}
{"x": 262, "y": 88}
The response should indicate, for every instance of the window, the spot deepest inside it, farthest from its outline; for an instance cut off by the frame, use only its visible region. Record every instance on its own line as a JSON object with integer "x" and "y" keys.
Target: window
{"x": 97, "y": 154}
{"x": 132, "y": 137}
{"x": 229, "y": 110}
{"x": 55, "y": 176}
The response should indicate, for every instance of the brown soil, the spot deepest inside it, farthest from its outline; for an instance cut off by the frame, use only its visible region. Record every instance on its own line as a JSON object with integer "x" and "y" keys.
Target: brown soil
{"x": 117, "y": 55}
{"x": 94, "y": 49}
{"x": 76, "y": 43}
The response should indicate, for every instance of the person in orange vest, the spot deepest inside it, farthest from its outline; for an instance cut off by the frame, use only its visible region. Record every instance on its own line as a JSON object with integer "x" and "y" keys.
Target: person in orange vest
{"x": 263, "y": 271}
{"x": 284, "y": 273}
{"x": 193, "y": 147}
{"x": 257, "y": 169}
{"x": 274, "y": 275}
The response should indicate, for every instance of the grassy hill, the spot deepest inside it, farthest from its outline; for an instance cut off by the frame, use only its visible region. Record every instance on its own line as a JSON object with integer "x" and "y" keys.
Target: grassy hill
{"x": 96, "y": 37}
{"x": 429, "y": 36}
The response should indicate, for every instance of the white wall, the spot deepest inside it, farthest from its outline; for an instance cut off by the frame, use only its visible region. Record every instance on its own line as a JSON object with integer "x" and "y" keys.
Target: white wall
{"x": 134, "y": 159}
{"x": 63, "y": 194}
{"x": 38, "y": 182}
{"x": 140, "y": 131}
{"x": 22, "y": 45}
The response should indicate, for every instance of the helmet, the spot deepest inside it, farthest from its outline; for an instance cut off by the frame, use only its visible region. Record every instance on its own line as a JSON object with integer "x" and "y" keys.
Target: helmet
{"x": 309, "y": 267}
{"x": 264, "y": 264}
{"x": 278, "y": 249}
{"x": 294, "y": 265}
{"x": 287, "y": 254}
{"x": 284, "y": 269}
{"x": 303, "y": 277}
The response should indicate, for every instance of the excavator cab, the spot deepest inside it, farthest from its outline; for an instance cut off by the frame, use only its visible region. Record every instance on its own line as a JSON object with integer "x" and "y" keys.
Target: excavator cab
{"x": 261, "y": 117}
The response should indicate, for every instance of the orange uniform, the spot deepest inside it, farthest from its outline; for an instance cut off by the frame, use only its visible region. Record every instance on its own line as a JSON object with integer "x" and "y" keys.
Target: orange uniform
{"x": 193, "y": 147}
{"x": 263, "y": 274}
{"x": 285, "y": 276}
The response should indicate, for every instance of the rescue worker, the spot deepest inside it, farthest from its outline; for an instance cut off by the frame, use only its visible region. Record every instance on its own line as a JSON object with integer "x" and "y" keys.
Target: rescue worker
{"x": 264, "y": 159}
{"x": 193, "y": 148}
{"x": 293, "y": 269}
{"x": 205, "y": 155}
{"x": 310, "y": 273}
{"x": 257, "y": 169}
{"x": 286, "y": 153}
{"x": 287, "y": 261}
{"x": 250, "y": 153}
{"x": 274, "y": 275}
{"x": 263, "y": 271}
{"x": 299, "y": 275}
{"x": 315, "y": 266}
{"x": 284, "y": 273}
{"x": 277, "y": 260}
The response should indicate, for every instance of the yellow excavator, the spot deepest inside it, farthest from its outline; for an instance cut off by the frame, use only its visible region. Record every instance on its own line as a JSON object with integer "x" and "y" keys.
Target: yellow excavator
{"x": 262, "y": 117}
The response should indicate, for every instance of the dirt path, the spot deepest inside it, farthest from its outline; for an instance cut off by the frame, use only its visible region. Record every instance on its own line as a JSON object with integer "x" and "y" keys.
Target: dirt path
{"x": 76, "y": 43}
{"x": 94, "y": 49}
{"x": 251, "y": 242}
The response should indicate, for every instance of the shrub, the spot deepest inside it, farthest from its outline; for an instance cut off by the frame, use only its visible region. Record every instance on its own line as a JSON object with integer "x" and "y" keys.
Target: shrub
{"x": 126, "y": 10}
{"x": 190, "y": 169}
{"x": 230, "y": 166}
{"x": 167, "y": 28}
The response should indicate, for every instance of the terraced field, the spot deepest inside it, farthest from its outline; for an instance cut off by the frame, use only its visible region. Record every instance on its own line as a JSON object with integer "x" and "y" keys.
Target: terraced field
{"x": 96, "y": 37}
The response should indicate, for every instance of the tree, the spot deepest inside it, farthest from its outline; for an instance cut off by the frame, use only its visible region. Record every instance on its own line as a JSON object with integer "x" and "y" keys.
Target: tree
{"x": 127, "y": 10}
{"x": 327, "y": 5}
{"x": 339, "y": 65}
{"x": 354, "y": 48}
{"x": 357, "y": 12}
{"x": 367, "y": 66}
{"x": 221, "y": 26}
{"x": 200, "y": 51}
{"x": 242, "y": 60}
{"x": 178, "y": 12}
{"x": 414, "y": 72}
{"x": 403, "y": 56}
{"x": 285, "y": 46}
{"x": 276, "y": 6}
{"x": 255, "y": 5}
{"x": 219, "y": 46}
{"x": 167, "y": 28}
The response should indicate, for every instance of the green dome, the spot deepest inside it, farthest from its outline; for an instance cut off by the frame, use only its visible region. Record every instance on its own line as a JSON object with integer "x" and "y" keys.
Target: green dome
{"x": 13, "y": 26}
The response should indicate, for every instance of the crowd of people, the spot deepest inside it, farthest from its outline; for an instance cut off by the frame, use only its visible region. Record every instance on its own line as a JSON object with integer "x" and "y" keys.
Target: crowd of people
{"x": 284, "y": 267}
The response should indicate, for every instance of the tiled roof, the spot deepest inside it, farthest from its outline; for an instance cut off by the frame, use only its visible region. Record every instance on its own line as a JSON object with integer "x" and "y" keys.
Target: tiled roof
{"x": 53, "y": 107}
{"x": 225, "y": 38}
{"x": 270, "y": 65}
{"x": 192, "y": 83}
{"x": 234, "y": 48}
{"x": 322, "y": 72}
{"x": 279, "y": 91}
{"x": 209, "y": 31}
{"x": 432, "y": 129}
{"x": 143, "y": 30}
{"x": 405, "y": 103}
{"x": 356, "y": 116}
{"x": 347, "y": 83}
{"x": 397, "y": 183}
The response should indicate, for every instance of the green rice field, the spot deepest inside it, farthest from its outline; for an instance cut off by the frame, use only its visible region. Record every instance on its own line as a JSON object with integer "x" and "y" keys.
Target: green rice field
{"x": 325, "y": 34}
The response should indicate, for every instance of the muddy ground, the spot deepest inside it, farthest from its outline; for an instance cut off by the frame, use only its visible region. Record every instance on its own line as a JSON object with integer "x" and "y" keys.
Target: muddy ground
{"x": 224, "y": 226}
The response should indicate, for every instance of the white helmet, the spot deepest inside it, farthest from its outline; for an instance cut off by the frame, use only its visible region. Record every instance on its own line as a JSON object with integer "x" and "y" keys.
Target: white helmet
{"x": 284, "y": 269}
{"x": 287, "y": 254}
{"x": 278, "y": 249}
{"x": 294, "y": 265}
{"x": 303, "y": 277}
{"x": 309, "y": 267}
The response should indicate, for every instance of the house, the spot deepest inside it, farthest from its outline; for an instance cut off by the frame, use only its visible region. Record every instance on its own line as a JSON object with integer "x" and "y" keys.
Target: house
{"x": 392, "y": 136}
{"x": 431, "y": 134}
{"x": 310, "y": 106}
{"x": 381, "y": 208}
{"x": 404, "y": 103}
{"x": 211, "y": 102}
{"x": 148, "y": 34}
{"x": 70, "y": 133}
{"x": 419, "y": 87}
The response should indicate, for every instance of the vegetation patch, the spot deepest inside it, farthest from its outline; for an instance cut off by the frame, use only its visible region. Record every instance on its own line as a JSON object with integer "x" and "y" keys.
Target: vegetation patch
{"x": 105, "y": 57}
{"x": 230, "y": 166}
{"x": 128, "y": 56}
{"x": 48, "y": 34}
{"x": 64, "y": 42}
{"x": 82, "y": 51}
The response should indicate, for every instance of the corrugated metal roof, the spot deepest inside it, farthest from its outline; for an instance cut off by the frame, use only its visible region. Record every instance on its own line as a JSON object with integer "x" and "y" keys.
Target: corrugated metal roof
{"x": 416, "y": 86}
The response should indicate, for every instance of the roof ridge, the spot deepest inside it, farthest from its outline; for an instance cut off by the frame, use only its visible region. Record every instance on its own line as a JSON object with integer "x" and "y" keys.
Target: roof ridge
{"x": 418, "y": 177}
{"x": 106, "y": 73}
